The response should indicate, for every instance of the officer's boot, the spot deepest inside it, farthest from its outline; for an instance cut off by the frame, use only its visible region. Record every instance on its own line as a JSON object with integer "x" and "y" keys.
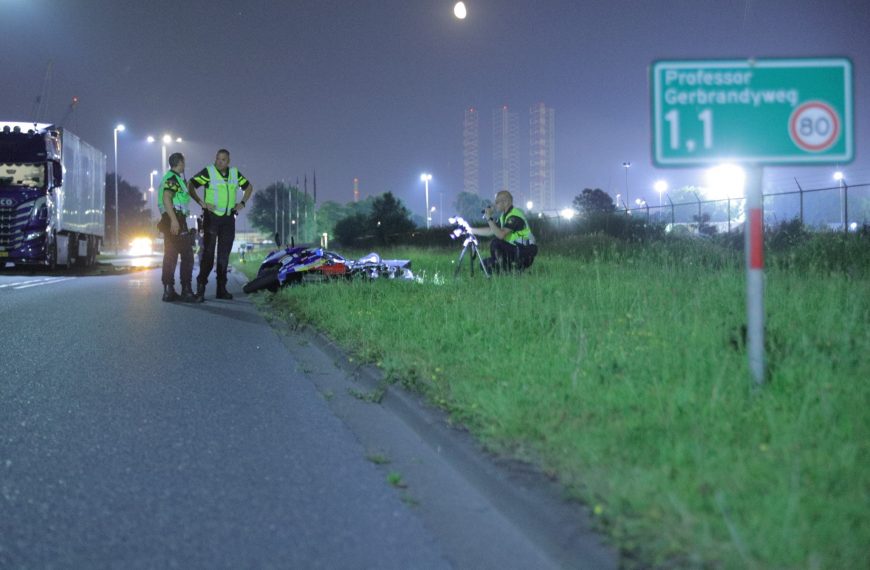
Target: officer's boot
{"x": 187, "y": 295}
{"x": 222, "y": 292}
{"x": 169, "y": 293}
{"x": 200, "y": 291}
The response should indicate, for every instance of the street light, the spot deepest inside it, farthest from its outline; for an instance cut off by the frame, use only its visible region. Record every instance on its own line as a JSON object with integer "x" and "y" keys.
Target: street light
{"x": 151, "y": 176}
{"x": 838, "y": 176}
{"x": 165, "y": 139}
{"x": 529, "y": 205}
{"x": 626, "y": 165}
{"x": 425, "y": 177}
{"x": 117, "y": 130}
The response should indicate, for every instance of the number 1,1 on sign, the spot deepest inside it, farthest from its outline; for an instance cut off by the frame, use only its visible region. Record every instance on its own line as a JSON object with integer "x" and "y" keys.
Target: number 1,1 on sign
{"x": 673, "y": 119}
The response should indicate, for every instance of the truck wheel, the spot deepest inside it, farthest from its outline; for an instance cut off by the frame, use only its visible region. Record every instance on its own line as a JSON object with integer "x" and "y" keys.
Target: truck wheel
{"x": 268, "y": 280}
{"x": 51, "y": 253}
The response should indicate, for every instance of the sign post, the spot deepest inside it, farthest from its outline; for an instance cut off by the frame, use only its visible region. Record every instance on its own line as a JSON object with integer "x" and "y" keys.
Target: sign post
{"x": 754, "y": 113}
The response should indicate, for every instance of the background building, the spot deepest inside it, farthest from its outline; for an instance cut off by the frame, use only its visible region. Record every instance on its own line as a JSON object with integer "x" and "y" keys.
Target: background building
{"x": 505, "y": 151}
{"x": 471, "y": 151}
{"x": 542, "y": 157}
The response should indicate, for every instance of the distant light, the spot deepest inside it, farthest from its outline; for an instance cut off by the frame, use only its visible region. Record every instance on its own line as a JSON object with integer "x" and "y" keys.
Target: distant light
{"x": 725, "y": 181}
{"x": 120, "y": 128}
{"x": 141, "y": 246}
{"x": 626, "y": 165}
{"x": 178, "y": 140}
{"x": 660, "y": 186}
{"x": 530, "y": 205}
{"x": 150, "y": 139}
{"x": 425, "y": 177}
{"x": 167, "y": 139}
{"x": 154, "y": 173}
{"x": 853, "y": 226}
{"x": 567, "y": 213}
{"x": 838, "y": 175}
{"x": 432, "y": 209}
{"x": 459, "y": 10}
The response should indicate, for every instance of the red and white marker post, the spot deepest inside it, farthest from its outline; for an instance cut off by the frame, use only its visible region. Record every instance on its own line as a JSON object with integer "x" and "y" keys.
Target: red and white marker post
{"x": 754, "y": 236}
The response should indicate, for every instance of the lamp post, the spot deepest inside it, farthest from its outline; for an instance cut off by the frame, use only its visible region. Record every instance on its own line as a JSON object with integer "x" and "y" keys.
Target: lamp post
{"x": 425, "y": 177}
{"x": 661, "y": 187}
{"x": 626, "y": 165}
{"x": 167, "y": 139}
{"x": 838, "y": 176}
{"x": 117, "y": 130}
{"x": 151, "y": 176}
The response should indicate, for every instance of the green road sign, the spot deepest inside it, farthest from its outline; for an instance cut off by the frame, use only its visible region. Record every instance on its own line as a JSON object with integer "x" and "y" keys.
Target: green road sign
{"x": 766, "y": 111}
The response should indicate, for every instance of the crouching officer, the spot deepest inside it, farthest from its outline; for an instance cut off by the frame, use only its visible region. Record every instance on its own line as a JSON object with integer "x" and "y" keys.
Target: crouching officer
{"x": 173, "y": 202}
{"x": 513, "y": 246}
{"x": 219, "y": 208}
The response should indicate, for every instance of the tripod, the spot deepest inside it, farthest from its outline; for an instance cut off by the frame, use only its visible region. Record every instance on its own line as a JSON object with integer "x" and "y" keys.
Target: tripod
{"x": 470, "y": 242}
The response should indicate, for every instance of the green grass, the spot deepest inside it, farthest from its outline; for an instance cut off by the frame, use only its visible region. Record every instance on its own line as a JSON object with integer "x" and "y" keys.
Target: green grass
{"x": 625, "y": 376}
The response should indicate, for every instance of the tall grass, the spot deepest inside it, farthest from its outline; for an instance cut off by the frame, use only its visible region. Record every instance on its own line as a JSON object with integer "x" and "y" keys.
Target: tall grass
{"x": 624, "y": 373}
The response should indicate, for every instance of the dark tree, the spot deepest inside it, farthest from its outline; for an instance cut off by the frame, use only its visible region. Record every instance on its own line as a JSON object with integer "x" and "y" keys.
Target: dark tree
{"x": 594, "y": 201}
{"x": 284, "y": 209}
{"x": 134, "y": 214}
{"x": 468, "y": 205}
{"x": 351, "y": 229}
{"x": 390, "y": 220}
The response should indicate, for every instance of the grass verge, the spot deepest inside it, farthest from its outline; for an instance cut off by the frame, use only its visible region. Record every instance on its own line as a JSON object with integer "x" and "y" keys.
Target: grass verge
{"x": 626, "y": 377}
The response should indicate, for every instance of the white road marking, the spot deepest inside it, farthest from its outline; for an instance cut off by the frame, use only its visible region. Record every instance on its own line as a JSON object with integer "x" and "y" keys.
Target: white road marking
{"x": 23, "y": 282}
{"x": 45, "y": 282}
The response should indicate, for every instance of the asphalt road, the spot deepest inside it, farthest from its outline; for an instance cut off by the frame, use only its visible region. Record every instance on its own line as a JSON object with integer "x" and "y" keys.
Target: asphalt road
{"x": 142, "y": 434}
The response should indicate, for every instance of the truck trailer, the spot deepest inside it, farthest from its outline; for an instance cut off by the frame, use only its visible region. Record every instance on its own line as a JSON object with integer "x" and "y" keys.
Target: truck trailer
{"x": 52, "y": 196}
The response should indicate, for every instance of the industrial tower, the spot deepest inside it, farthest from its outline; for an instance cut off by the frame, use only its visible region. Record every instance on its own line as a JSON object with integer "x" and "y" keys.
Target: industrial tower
{"x": 505, "y": 151}
{"x": 542, "y": 157}
{"x": 471, "y": 151}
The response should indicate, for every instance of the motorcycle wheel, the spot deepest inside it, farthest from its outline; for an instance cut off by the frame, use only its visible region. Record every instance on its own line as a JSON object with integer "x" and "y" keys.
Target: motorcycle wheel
{"x": 266, "y": 280}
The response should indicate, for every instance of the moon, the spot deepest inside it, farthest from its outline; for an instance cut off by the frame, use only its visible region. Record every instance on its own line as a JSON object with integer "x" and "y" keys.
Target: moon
{"x": 459, "y": 10}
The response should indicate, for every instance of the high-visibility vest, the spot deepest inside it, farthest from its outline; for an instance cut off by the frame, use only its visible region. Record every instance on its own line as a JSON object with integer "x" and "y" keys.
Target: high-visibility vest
{"x": 521, "y": 237}
{"x": 180, "y": 199}
{"x": 222, "y": 191}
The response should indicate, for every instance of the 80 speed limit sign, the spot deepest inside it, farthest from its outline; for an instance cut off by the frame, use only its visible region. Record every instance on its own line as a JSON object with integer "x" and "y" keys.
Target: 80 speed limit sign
{"x": 814, "y": 126}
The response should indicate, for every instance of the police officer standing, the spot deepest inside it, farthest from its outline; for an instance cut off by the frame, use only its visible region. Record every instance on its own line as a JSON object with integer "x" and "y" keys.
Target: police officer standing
{"x": 513, "y": 246}
{"x": 173, "y": 202}
{"x": 219, "y": 208}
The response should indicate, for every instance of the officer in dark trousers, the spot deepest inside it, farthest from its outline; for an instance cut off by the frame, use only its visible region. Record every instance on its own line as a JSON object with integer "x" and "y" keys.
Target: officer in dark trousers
{"x": 173, "y": 202}
{"x": 513, "y": 247}
{"x": 221, "y": 182}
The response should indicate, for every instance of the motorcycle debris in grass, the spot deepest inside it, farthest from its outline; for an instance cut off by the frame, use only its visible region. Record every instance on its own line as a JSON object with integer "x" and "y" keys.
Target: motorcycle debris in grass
{"x": 303, "y": 264}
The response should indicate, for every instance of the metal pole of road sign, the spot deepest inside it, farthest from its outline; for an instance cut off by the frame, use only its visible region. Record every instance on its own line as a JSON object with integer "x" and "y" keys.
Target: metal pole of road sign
{"x": 754, "y": 236}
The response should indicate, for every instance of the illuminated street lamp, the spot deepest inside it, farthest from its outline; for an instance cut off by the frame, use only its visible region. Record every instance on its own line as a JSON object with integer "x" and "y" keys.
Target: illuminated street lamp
{"x": 529, "y": 205}
{"x": 425, "y": 177}
{"x": 838, "y": 176}
{"x": 166, "y": 139}
{"x": 118, "y": 129}
{"x": 661, "y": 187}
{"x": 151, "y": 176}
{"x": 626, "y": 165}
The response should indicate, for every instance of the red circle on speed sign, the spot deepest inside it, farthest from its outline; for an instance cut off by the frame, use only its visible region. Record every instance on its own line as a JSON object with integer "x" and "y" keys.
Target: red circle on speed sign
{"x": 814, "y": 126}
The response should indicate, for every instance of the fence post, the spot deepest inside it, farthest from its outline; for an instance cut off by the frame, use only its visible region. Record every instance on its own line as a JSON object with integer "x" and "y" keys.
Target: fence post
{"x": 698, "y": 198}
{"x": 845, "y": 207}
{"x": 647, "y": 212}
{"x": 673, "y": 218}
{"x": 754, "y": 251}
{"x": 801, "y": 192}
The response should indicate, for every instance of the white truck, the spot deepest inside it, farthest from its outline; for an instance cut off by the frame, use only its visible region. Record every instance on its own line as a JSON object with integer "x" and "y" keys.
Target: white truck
{"x": 52, "y": 196}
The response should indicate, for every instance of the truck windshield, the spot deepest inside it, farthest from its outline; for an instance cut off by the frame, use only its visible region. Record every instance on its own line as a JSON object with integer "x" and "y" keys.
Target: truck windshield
{"x": 25, "y": 174}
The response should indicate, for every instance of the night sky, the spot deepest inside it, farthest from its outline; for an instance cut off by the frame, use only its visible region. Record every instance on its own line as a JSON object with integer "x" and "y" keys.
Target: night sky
{"x": 377, "y": 89}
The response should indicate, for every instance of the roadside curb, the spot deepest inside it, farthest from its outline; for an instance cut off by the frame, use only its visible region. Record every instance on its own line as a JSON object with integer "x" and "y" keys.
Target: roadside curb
{"x": 532, "y": 501}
